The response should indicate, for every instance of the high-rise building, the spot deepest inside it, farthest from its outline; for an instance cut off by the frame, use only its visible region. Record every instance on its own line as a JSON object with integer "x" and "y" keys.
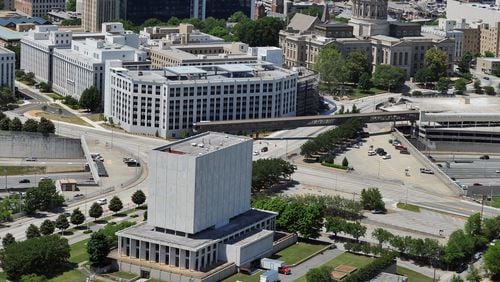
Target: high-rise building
{"x": 200, "y": 225}
{"x": 7, "y": 68}
{"x": 37, "y": 8}
{"x": 223, "y": 9}
{"x": 139, "y": 11}
{"x": 369, "y": 17}
{"x": 490, "y": 38}
{"x": 97, "y": 12}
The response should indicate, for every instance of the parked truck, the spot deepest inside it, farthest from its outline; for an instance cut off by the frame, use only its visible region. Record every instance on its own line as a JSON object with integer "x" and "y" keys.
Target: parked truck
{"x": 269, "y": 276}
{"x": 275, "y": 264}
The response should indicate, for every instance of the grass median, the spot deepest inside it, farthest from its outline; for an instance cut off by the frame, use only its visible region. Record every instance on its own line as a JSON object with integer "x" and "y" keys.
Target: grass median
{"x": 408, "y": 207}
{"x": 412, "y": 275}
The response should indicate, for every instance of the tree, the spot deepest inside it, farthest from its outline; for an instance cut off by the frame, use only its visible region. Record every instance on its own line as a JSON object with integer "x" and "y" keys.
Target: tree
{"x": 77, "y": 217}
{"x": 389, "y": 77}
{"x": 458, "y": 249}
{"x": 7, "y": 240}
{"x": 332, "y": 69}
{"x": 313, "y": 11}
{"x": 320, "y": 274}
{"x": 261, "y": 32}
{"x": 365, "y": 81}
{"x": 30, "y": 125}
{"x": 90, "y": 99}
{"x": 443, "y": 85}
{"x": 5, "y": 124}
{"x": 6, "y": 207}
{"x": 311, "y": 222}
{"x": 489, "y": 54}
{"x": 138, "y": 197}
{"x": 477, "y": 86}
{"x": 71, "y": 5}
{"x": 491, "y": 259}
{"x": 16, "y": 125}
{"x": 46, "y": 127}
{"x": 489, "y": 90}
{"x": 33, "y": 278}
{"x": 423, "y": 75}
{"x": 436, "y": 61}
{"x": 44, "y": 87}
{"x": 95, "y": 211}
{"x": 98, "y": 249}
{"x": 357, "y": 64}
{"x": 62, "y": 223}
{"x": 473, "y": 274}
{"x": 460, "y": 85}
{"x": 335, "y": 225}
{"x": 371, "y": 199}
{"x": 473, "y": 225}
{"x": 44, "y": 197}
{"x": 464, "y": 64}
{"x": 356, "y": 230}
{"x": 345, "y": 162}
{"x": 238, "y": 17}
{"x": 456, "y": 278}
{"x": 6, "y": 96}
{"x": 491, "y": 228}
{"x": 382, "y": 235}
{"x": 41, "y": 256}
{"x": 115, "y": 205}
{"x": 173, "y": 21}
{"x": 268, "y": 172}
{"x": 47, "y": 227}
{"x": 32, "y": 231}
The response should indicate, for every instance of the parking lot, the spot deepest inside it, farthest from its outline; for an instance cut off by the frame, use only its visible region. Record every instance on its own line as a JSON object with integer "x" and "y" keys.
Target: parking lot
{"x": 394, "y": 168}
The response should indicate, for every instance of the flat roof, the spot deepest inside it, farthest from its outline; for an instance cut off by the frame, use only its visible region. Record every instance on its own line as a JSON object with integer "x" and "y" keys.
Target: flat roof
{"x": 202, "y": 144}
{"x": 236, "y": 68}
{"x": 199, "y": 240}
{"x": 185, "y": 70}
{"x": 10, "y": 35}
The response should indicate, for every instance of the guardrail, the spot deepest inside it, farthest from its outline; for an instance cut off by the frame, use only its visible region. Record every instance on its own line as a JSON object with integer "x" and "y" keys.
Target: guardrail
{"x": 421, "y": 157}
{"x": 90, "y": 161}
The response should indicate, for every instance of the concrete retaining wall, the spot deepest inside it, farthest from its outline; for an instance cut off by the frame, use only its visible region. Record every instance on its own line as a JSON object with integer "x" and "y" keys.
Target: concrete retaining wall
{"x": 284, "y": 243}
{"x": 88, "y": 157}
{"x": 26, "y": 144}
{"x": 419, "y": 156}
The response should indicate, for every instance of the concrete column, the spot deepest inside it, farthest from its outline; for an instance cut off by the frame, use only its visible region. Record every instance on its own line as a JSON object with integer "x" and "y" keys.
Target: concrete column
{"x": 172, "y": 256}
{"x": 182, "y": 258}
{"x": 192, "y": 258}
{"x": 162, "y": 254}
{"x": 133, "y": 245}
{"x": 142, "y": 250}
{"x": 120, "y": 250}
{"x": 152, "y": 252}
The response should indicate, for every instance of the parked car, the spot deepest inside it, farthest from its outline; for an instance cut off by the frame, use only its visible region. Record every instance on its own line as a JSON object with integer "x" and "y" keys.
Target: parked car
{"x": 78, "y": 196}
{"x": 371, "y": 153}
{"x": 102, "y": 201}
{"x": 477, "y": 184}
{"x": 24, "y": 180}
{"x": 383, "y": 153}
{"x": 30, "y": 159}
{"x": 386, "y": 157}
{"x": 426, "y": 170}
{"x": 264, "y": 149}
{"x": 256, "y": 153}
{"x": 405, "y": 152}
{"x": 377, "y": 211}
{"x": 439, "y": 165}
{"x": 484, "y": 157}
{"x": 478, "y": 255}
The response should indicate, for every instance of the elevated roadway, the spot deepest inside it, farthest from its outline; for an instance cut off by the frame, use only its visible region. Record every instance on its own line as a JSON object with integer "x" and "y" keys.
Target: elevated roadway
{"x": 255, "y": 125}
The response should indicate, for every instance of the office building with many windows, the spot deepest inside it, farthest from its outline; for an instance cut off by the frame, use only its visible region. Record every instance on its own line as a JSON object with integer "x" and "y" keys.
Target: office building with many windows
{"x": 7, "y": 68}
{"x": 39, "y": 8}
{"x": 167, "y": 102}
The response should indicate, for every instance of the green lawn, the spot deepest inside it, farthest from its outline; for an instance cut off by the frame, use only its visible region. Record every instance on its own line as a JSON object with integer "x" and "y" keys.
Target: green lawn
{"x": 408, "y": 207}
{"x": 123, "y": 274}
{"x": 21, "y": 170}
{"x": 244, "y": 278}
{"x": 496, "y": 202}
{"x": 358, "y": 93}
{"x": 299, "y": 251}
{"x": 79, "y": 252}
{"x": 55, "y": 96}
{"x": 412, "y": 275}
{"x": 70, "y": 275}
{"x": 344, "y": 259}
{"x": 3, "y": 277}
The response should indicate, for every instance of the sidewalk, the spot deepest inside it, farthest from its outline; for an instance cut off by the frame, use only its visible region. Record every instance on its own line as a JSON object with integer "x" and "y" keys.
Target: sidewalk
{"x": 301, "y": 269}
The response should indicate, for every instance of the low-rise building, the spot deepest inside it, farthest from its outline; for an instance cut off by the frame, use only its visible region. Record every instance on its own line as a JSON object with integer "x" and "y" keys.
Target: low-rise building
{"x": 487, "y": 65}
{"x": 490, "y": 38}
{"x": 7, "y": 68}
{"x": 36, "y": 8}
{"x": 168, "y": 101}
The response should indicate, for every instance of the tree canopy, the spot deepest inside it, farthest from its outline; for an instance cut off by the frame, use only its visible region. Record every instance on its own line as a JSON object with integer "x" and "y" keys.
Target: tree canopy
{"x": 44, "y": 198}
{"x": 115, "y": 205}
{"x": 90, "y": 99}
{"x": 138, "y": 197}
{"x": 389, "y": 77}
{"x": 268, "y": 172}
{"x": 332, "y": 69}
{"x": 371, "y": 199}
{"x": 40, "y": 256}
{"x": 436, "y": 61}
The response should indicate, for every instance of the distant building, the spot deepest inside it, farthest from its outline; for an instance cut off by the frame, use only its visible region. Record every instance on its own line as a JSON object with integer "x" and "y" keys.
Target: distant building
{"x": 200, "y": 225}
{"x": 7, "y": 68}
{"x": 397, "y": 44}
{"x": 473, "y": 12}
{"x": 13, "y": 22}
{"x": 450, "y": 29}
{"x": 9, "y": 37}
{"x": 471, "y": 39}
{"x": 490, "y": 38}
{"x": 36, "y": 8}
{"x": 37, "y": 48}
{"x": 167, "y": 102}
{"x": 97, "y": 12}
{"x": 487, "y": 65}
{"x": 82, "y": 66}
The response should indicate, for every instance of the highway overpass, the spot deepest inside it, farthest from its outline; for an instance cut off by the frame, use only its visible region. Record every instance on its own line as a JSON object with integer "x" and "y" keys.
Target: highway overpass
{"x": 256, "y": 125}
